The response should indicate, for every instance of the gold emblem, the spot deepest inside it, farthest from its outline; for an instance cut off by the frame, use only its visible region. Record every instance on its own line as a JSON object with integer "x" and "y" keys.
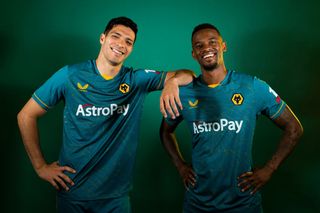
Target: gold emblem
{"x": 237, "y": 99}
{"x": 124, "y": 88}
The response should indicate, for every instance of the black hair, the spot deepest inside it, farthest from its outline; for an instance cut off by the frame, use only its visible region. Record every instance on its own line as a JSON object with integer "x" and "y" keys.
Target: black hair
{"x": 121, "y": 21}
{"x": 204, "y": 26}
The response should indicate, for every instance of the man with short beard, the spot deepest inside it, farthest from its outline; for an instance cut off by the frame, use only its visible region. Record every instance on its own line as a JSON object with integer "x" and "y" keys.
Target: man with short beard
{"x": 220, "y": 108}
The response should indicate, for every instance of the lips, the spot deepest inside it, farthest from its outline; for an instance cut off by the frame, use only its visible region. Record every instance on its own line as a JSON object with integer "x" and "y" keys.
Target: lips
{"x": 117, "y": 51}
{"x": 209, "y": 55}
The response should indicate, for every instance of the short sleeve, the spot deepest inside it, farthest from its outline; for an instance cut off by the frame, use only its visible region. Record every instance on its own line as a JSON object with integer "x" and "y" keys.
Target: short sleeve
{"x": 52, "y": 91}
{"x": 150, "y": 80}
{"x": 269, "y": 102}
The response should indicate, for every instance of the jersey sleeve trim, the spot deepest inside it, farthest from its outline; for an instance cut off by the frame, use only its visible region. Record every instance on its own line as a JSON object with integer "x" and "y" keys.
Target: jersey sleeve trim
{"x": 40, "y": 102}
{"x": 163, "y": 77}
{"x": 275, "y": 115}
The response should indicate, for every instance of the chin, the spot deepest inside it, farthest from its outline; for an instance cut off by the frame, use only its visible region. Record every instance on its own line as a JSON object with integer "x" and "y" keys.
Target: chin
{"x": 210, "y": 67}
{"x": 115, "y": 63}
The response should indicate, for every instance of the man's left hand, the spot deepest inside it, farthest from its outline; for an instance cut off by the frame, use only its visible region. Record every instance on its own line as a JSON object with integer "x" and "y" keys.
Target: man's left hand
{"x": 255, "y": 180}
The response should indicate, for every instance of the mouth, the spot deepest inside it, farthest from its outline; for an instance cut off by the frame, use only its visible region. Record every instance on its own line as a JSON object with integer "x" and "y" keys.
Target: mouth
{"x": 117, "y": 51}
{"x": 209, "y": 55}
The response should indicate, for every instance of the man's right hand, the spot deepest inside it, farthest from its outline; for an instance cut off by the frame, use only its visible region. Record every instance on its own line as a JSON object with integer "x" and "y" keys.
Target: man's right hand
{"x": 53, "y": 173}
{"x": 188, "y": 176}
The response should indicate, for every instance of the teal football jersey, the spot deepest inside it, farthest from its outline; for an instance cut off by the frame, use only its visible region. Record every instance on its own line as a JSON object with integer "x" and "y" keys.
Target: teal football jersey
{"x": 101, "y": 125}
{"x": 222, "y": 122}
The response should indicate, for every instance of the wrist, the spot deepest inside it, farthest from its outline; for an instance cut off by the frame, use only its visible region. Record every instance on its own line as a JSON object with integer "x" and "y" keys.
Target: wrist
{"x": 173, "y": 81}
{"x": 39, "y": 167}
{"x": 179, "y": 164}
{"x": 271, "y": 167}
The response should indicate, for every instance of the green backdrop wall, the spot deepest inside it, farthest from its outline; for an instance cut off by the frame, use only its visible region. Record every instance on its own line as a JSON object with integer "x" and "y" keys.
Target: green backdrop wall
{"x": 276, "y": 40}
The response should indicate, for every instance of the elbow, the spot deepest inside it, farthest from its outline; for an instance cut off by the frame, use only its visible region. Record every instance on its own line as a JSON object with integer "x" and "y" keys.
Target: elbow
{"x": 299, "y": 131}
{"x": 20, "y": 117}
{"x": 296, "y": 131}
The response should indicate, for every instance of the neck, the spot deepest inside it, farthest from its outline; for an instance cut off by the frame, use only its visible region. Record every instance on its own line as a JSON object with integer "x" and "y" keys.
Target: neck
{"x": 106, "y": 68}
{"x": 214, "y": 76}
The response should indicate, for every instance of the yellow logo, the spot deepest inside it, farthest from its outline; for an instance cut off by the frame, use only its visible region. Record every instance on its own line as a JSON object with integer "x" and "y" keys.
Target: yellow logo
{"x": 237, "y": 99}
{"x": 124, "y": 88}
{"x": 193, "y": 104}
{"x": 82, "y": 88}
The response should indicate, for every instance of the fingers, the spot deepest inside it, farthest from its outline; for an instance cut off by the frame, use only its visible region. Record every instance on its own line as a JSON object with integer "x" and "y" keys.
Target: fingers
{"x": 189, "y": 178}
{"x": 255, "y": 188}
{"x": 68, "y": 169}
{"x": 174, "y": 106}
{"x": 168, "y": 104}
{"x": 178, "y": 102}
{"x": 62, "y": 178}
{"x": 249, "y": 181}
{"x": 54, "y": 174}
{"x": 66, "y": 179}
{"x": 54, "y": 184}
{"x": 245, "y": 181}
{"x": 246, "y": 174}
{"x": 168, "y": 107}
{"x": 162, "y": 109}
{"x": 61, "y": 183}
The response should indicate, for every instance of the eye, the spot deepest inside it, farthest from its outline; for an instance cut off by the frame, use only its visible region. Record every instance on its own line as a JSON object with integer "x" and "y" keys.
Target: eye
{"x": 115, "y": 36}
{"x": 198, "y": 46}
{"x": 213, "y": 42}
{"x": 129, "y": 43}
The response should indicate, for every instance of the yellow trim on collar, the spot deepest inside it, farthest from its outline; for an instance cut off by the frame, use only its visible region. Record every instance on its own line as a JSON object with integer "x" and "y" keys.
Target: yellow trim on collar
{"x": 107, "y": 77}
{"x": 213, "y": 85}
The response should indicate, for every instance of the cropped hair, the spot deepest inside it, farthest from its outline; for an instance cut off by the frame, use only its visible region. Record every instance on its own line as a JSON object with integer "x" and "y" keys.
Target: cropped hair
{"x": 122, "y": 21}
{"x": 204, "y": 26}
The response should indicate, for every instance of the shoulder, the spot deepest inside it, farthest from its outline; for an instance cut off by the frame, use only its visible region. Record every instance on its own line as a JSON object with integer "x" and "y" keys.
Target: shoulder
{"x": 196, "y": 82}
{"x": 86, "y": 66}
{"x": 241, "y": 77}
{"x": 145, "y": 75}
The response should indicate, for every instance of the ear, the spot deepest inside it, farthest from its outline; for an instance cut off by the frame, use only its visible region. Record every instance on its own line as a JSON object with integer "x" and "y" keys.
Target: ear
{"x": 193, "y": 55}
{"x": 102, "y": 38}
{"x": 224, "y": 46}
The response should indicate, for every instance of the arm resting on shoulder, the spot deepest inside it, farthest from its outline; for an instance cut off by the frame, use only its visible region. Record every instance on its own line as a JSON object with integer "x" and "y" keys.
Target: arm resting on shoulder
{"x": 170, "y": 94}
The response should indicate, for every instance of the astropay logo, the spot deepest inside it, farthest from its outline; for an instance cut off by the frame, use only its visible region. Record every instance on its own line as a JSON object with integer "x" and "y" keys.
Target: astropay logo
{"x": 217, "y": 126}
{"x": 87, "y": 110}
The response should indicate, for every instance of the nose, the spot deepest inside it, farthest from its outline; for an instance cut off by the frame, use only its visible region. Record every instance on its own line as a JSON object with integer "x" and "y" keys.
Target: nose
{"x": 121, "y": 43}
{"x": 206, "y": 48}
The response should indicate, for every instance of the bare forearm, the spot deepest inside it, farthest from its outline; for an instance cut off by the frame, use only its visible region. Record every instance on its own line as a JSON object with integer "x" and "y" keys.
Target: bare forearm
{"x": 292, "y": 132}
{"x": 181, "y": 77}
{"x": 286, "y": 146}
{"x": 29, "y": 133}
{"x": 170, "y": 144}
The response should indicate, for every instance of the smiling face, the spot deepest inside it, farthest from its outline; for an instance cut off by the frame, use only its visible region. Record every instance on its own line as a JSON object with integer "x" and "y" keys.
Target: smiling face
{"x": 208, "y": 48}
{"x": 117, "y": 44}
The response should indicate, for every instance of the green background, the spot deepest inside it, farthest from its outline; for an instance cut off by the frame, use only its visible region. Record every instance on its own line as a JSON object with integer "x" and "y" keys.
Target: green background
{"x": 278, "y": 41}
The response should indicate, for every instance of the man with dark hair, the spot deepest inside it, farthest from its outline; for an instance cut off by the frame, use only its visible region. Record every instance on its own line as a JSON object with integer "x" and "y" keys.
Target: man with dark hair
{"x": 103, "y": 105}
{"x": 123, "y": 21}
{"x": 220, "y": 108}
